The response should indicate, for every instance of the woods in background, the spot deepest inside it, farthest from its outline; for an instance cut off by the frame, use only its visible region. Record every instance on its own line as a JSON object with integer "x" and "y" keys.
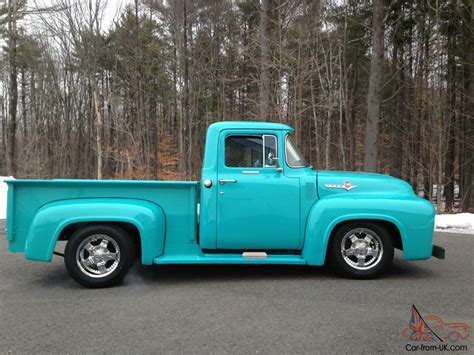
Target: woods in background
{"x": 384, "y": 87}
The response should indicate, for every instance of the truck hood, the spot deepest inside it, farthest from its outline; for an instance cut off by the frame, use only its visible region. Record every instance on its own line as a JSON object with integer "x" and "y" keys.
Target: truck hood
{"x": 343, "y": 182}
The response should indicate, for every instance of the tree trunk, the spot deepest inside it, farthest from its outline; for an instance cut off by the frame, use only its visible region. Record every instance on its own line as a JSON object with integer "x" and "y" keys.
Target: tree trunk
{"x": 3, "y": 152}
{"x": 397, "y": 124}
{"x": 264, "y": 62}
{"x": 13, "y": 87}
{"x": 186, "y": 173}
{"x": 467, "y": 171}
{"x": 452, "y": 119}
{"x": 375, "y": 88}
{"x": 98, "y": 130}
{"x": 24, "y": 109}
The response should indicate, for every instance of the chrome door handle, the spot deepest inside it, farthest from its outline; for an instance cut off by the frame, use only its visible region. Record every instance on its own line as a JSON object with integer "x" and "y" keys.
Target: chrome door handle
{"x": 228, "y": 181}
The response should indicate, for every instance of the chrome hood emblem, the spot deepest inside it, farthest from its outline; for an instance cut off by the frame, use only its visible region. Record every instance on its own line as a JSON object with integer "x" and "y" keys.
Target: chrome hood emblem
{"x": 346, "y": 186}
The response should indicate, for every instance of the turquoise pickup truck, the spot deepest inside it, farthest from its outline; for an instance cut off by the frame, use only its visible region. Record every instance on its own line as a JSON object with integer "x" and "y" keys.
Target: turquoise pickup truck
{"x": 259, "y": 203}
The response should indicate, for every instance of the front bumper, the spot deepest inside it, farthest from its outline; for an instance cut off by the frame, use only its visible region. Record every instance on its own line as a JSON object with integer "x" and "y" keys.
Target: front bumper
{"x": 438, "y": 252}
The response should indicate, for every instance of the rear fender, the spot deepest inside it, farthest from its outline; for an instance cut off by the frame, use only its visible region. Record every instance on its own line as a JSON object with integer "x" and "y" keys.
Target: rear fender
{"x": 51, "y": 219}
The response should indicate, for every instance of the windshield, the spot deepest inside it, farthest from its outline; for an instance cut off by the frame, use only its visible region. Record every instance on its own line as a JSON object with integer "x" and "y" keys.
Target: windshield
{"x": 294, "y": 158}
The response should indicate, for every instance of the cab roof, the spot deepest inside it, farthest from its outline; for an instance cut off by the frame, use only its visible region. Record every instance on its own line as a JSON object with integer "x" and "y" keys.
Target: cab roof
{"x": 249, "y": 125}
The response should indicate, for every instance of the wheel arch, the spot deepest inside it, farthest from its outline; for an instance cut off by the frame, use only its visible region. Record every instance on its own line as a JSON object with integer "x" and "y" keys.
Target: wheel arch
{"x": 389, "y": 225}
{"x": 327, "y": 215}
{"x": 58, "y": 220}
{"x": 131, "y": 229}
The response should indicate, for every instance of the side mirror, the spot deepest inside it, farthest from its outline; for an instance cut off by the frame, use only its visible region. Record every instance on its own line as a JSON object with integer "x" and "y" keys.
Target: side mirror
{"x": 273, "y": 160}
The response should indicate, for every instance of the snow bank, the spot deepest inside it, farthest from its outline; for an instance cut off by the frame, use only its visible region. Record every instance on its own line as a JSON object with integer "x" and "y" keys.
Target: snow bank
{"x": 3, "y": 197}
{"x": 458, "y": 223}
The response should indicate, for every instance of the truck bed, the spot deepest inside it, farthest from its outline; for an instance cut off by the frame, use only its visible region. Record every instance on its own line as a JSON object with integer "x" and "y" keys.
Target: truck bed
{"x": 177, "y": 199}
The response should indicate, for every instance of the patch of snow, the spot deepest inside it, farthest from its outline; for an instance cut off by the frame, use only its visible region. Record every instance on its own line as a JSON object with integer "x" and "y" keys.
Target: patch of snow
{"x": 456, "y": 223}
{"x": 3, "y": 196}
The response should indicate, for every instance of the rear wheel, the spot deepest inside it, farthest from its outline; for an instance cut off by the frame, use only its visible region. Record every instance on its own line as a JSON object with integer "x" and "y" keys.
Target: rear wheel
{"x": 361, "y": 250}
{"x": 99, "y": 255}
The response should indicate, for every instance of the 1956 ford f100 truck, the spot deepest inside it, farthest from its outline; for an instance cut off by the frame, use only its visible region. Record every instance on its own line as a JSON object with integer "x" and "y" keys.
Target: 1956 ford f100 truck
{"x": 260, "y": 203}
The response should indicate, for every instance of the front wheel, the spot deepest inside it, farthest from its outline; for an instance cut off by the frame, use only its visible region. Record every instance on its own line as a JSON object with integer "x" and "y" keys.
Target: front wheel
{"x": 99, "y": 255}
{"x": 361, "y": 250}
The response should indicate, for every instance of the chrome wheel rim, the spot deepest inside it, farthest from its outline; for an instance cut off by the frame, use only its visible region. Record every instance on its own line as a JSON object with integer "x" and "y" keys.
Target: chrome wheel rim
{"x": 98, "y": 255}
{"x": 361, "y": 248}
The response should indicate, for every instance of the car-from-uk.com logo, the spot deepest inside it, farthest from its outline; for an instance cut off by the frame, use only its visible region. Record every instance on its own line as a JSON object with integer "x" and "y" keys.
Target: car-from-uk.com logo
{"x": 431, "y": 333}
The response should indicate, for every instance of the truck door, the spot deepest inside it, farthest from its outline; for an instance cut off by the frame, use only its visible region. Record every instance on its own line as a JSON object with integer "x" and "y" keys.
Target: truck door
{"x": 258, "y": 207}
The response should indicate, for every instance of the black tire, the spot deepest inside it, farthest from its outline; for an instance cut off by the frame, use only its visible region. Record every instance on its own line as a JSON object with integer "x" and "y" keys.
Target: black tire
{"x": 347, "y": 264}
{"x": 119, "y": 245}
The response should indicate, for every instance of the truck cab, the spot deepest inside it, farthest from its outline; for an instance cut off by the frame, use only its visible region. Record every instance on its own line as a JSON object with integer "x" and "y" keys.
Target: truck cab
{"x": 251, "y": 188}
{"x": 260, "y": 203}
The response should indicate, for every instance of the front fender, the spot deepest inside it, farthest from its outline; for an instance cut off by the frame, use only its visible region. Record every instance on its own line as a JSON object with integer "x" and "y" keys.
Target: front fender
{"x": 413, "y": 216}
{"x": 51, "y": 219}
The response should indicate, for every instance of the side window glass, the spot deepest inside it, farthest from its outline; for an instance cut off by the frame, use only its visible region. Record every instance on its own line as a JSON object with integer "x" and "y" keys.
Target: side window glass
{"x": 244, "y": 152}
{"x": 270, "y": 153}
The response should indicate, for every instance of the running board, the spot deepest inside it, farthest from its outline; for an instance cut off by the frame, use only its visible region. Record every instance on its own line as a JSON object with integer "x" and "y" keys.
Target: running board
{"x": 244, "y": 258}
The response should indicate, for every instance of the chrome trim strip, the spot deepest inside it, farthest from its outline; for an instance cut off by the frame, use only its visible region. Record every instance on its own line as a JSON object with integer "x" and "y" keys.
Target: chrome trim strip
{"x": 250, "y": 172}
{"x": 345, "y": 186}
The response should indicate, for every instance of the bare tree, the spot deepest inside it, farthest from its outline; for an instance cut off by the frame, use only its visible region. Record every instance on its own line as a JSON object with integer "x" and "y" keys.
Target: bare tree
{"x": 375, "y": 88}
{"x": 13, "y": 13}
{"x": 265, "y": 62}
